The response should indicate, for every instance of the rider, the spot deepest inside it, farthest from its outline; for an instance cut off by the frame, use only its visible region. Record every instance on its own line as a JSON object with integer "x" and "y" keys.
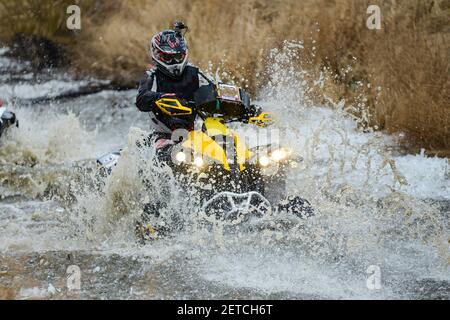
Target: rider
{"x": 171, "y": 77}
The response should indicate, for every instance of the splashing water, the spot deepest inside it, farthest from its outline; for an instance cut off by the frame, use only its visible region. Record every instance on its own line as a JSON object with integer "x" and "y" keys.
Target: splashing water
{"x": 372, "y": 207}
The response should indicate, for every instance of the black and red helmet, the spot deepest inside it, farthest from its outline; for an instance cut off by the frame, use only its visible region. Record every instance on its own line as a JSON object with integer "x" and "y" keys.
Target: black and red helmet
{"x": 169, "y": 51}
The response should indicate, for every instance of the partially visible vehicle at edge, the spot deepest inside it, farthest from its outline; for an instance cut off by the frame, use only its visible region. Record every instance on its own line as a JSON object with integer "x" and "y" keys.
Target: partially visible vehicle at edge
{"x": 7, "y": 118}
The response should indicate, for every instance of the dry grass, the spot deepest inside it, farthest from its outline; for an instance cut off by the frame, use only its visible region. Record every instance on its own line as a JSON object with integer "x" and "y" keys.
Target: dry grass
{"x": 408, "y": 59}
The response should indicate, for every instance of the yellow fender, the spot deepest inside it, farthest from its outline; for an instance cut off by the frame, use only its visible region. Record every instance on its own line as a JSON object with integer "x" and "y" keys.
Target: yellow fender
{"x": 202, "y": 143}
{"x": 264, "y": 119}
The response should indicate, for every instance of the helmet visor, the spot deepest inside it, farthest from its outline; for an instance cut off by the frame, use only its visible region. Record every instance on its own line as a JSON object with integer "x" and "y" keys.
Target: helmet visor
{"x": 171, "y": 58}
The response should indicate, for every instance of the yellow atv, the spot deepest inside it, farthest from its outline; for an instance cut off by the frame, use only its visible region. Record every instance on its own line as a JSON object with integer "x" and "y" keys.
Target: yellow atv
{"x": 234, "y": 180}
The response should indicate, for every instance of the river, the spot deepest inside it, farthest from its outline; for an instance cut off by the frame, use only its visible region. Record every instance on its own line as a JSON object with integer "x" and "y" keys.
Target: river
{"x": 378, "y": 212}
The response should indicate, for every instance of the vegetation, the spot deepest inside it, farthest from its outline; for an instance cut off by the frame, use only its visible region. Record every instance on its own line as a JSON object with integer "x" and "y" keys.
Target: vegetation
{"x": 408, "y": 59}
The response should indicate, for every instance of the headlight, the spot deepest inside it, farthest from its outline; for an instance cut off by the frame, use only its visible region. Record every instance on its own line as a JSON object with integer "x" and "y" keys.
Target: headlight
{"x": 264, "y": 161}
{"x": 279, "y": 155}
{"x": 180, "y": 156}
{"x": 198, "y": 161}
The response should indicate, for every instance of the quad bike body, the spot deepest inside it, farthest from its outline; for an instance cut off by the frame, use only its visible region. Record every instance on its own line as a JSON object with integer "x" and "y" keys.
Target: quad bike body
{"x": 230, "y": 177}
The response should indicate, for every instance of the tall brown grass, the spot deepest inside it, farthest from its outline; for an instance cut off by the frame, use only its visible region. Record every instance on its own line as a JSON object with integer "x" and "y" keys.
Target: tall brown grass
{"x": 408, "y": 59}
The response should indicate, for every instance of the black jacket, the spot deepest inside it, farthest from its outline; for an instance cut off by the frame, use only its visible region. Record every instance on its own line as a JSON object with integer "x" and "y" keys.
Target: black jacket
{"x": 156, "y": 83}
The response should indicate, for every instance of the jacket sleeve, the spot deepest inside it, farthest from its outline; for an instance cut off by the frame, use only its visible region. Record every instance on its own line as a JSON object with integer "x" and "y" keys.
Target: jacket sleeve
{"x": 146, "y": 98}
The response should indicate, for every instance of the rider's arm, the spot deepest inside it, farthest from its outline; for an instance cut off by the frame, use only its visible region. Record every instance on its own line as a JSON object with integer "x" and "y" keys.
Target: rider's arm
{"x": 147, "y": 95}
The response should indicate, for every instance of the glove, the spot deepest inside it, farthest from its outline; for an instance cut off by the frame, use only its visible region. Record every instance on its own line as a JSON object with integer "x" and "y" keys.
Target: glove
{"x": 264, "y": 119}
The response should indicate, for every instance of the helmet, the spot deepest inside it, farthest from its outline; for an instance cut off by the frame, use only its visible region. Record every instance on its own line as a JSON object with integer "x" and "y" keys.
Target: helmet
{"x": 169, "y": 51}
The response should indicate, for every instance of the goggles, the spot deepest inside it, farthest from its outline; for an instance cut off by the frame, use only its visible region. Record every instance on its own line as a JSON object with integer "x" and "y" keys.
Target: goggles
{"x": 171, "y": 58}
